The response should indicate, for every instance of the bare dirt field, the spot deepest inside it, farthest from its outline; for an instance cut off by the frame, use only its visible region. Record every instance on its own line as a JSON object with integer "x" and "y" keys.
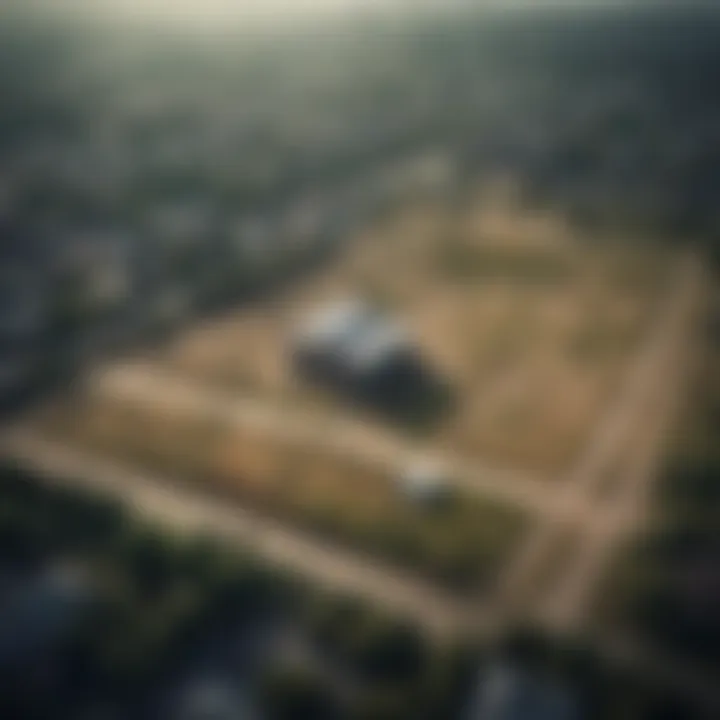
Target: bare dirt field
{"x": 554, "y": 347}
{"x": 460, "y": 545}
{"x": 531, "y": 328}
{"x": 561, "y": 352}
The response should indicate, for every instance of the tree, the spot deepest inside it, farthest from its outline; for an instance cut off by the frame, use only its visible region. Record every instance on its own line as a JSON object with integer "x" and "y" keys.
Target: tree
{"x": 390, "y": 652}
{"x": 294, "y": 694}
{"x": 152, "y": 560}
{"x": 334, "y": 620}
{"x": 386, "y": 705}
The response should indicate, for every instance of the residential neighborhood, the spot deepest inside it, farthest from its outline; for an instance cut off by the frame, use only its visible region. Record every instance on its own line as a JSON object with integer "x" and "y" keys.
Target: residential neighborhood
{"x": 358, "y": 361}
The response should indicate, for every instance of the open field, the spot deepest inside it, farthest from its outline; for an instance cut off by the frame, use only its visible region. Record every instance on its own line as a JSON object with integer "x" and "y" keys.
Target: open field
{"x": 460, "y": 545}
{"x": 534, "y": 330}
{"x": 180, "y": 504}
{"x": 150, "y": 416}
{"x": 530, "y": 328}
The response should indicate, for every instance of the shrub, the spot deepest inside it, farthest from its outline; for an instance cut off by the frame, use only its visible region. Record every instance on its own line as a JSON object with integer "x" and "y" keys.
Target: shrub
{"x": 294, "y": 694}
{"x": 389, "y": 652}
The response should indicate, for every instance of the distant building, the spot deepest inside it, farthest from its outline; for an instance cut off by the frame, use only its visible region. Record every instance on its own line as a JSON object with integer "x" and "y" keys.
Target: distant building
{"x": 41, "y": 614}
{"x": 214, "y": 699}
{"x": 305, "y": 223}
{"x": 23, "y": 321}
{"x": 39, "y": 618}
{"x": 353, "y": 346}
{"x": 255, "y": 241}
{"x": 22, "y": 304}
{"x": 183, "y": 224}
{"x": 425, "y": 483}
{"x": 96, "y": 267}
{"x": 506, "y": 692}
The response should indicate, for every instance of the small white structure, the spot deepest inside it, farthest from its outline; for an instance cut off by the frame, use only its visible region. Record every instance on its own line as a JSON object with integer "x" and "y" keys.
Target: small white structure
{"x": 425, "y": 483}
{"x": 511, "y": 693}
{"x": 214, "y": 699}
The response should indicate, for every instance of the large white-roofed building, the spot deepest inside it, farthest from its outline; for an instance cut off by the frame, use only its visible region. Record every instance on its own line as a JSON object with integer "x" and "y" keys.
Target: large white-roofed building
{"x": 352, "y": 344}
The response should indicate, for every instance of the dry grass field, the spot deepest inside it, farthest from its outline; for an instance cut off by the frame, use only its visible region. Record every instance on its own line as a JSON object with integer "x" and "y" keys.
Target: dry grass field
{"x": 460, "y": 544}
{"x": 530, "y": 327}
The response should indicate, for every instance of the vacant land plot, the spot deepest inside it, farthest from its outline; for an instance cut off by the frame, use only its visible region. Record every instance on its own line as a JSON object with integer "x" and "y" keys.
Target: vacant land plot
{"x": 460, "y": 544}
{"x": 530, "y": 327}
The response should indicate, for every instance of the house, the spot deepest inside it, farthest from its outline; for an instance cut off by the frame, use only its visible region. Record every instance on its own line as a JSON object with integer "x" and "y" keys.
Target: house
{"x": 353, "y": 346}
{"x": 214, "y": 699}
{"x": 305, "y": 223}
{"x": 41, "y": 614}
{"x": 22, "y": 304}
{"x": 255, "y": 241}
{"x": 182, "y": 223}
{"x": 425, "y": 484}
{"x": 508, "y": 692}
{"x": 23, "y": 319}
{"x": 97, "y": 267}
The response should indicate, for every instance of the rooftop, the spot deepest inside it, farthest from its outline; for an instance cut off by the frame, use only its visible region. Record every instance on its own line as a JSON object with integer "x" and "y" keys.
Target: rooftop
{"x": 509, "y": 693}
{"x": 355, "y": 332}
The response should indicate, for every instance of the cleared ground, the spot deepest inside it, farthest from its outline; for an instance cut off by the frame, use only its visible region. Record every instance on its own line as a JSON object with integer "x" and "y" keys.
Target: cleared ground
{"x": 460, "y": 544}
{"x": 535, "y": 330}
{"x": 531, "y": 328}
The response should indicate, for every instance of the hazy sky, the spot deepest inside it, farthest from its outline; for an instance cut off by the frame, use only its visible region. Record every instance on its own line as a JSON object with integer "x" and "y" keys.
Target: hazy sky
{"x": 196, "y": 9}
{"x": 226, "y": 10}
{"x": 232, "y": 15}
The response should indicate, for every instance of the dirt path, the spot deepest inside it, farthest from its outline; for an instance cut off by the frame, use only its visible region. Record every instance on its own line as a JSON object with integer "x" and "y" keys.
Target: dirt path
{"x": 577, "y": 500}
{"x": 188, "y": 510}
{"x": 160, "y": 388}
{"x": 632, "y": 433}
{"x": 183, "y": 510}
{"x": 654, "y": 397}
